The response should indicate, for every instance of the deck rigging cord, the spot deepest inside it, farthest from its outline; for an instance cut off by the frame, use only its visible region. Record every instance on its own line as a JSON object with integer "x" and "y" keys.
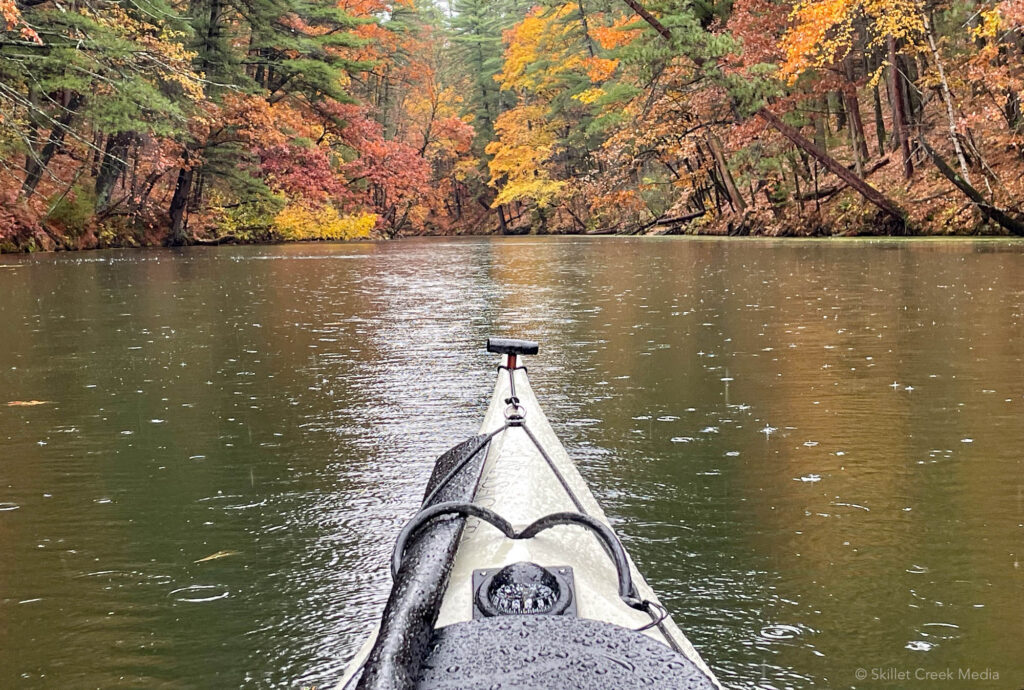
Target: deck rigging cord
{"x": 515, "y": 417}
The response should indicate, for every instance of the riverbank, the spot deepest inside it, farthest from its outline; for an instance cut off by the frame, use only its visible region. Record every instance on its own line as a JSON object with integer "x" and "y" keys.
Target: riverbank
{"x": 842, "y": 218}
{"x": 934, "y": 208}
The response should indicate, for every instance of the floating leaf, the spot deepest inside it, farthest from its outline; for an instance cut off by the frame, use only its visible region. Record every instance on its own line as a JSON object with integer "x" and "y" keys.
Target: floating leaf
{"x": 219, "y": 554}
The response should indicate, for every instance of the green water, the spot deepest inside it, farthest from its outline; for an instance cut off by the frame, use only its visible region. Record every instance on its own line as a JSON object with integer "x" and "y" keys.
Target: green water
{"x": 813, "y": 450}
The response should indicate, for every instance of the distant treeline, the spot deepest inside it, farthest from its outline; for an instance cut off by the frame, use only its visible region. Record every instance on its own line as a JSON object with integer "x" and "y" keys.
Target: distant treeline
{"x": 208, "y": 121}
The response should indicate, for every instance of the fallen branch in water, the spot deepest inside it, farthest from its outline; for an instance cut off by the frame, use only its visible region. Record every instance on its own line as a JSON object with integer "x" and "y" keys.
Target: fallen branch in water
{"x": 223, "y": 239}
{"x": 666, "y": 220}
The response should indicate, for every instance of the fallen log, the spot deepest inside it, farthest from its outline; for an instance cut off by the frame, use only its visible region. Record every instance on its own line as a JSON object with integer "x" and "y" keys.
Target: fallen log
{"x": 674, "y": 220}
{"x": 990, "y": 211}
{"x": 666, "y": 220}
{"x": 833, "y": 189}
{"x": 213, "y": 241}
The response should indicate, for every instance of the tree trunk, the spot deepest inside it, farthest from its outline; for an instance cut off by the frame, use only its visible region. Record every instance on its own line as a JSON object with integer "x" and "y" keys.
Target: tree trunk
{"x": 1012, "y": 110}
{"x": 723, "y": 170}
{"x": 853, "y": 110}
{"x": 820, "y": 137}
{"x": 908, "y": 70}
{"x": 879, "y": 120}
{"x": 179, "y": 203}
{"x": 835, "y": 167}
{"x": 650, "y": 19}
{"x": 839, "y": 105}
{"x": 947, "y": 97}
{"x": 35, "y": 165}
{"x": 855, "y": 140}
{"x": 899, "y": 115}
{"x": 111, "y": 167}
{"x": 586, "y": 31}
{"x": 796, "y": 187}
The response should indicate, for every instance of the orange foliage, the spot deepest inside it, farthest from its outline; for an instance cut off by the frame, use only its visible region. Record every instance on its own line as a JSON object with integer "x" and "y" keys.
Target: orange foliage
{"x": 10, "y": 19}
{"x": 600, "y": 69}
{"x": 614, "y": 35}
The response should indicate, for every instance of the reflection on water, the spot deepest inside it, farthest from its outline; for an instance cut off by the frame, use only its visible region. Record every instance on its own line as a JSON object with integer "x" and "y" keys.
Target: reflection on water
{"x": 811, "y": 449}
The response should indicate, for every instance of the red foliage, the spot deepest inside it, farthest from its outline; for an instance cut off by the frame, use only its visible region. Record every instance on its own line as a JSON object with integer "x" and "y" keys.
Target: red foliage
{"x": 301, "y": 171}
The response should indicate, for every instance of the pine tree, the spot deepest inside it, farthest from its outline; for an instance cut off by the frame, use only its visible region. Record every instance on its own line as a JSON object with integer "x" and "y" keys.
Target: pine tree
{"x": 112, "y": 69}
{"x": 294, "y": 51}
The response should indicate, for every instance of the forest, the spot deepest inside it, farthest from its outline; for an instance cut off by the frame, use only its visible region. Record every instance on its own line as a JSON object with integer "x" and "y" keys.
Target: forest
{"x": 175, "y": 122}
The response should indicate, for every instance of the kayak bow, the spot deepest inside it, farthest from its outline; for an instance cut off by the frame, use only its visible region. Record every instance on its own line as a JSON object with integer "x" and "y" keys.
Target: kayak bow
{"x": 511, "y": 576}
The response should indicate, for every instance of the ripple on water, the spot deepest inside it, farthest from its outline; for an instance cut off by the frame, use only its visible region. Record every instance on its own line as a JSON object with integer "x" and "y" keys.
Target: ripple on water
{"x": 781, "y": 631}
{"x": 199, "y": 594}
{"x": 232, "y": 501}
{"x": 219, "y": 496}
{"x": 919, "y": 646}
{"x": 244, "y": 506}
{"x": 940, "y": 631}
{"x": 126, "y": 579}
{"x": 4, "y": 506}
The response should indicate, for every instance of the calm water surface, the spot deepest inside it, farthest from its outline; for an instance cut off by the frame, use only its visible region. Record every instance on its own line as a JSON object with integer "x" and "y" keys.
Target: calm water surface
{"x": 812, "y": 449}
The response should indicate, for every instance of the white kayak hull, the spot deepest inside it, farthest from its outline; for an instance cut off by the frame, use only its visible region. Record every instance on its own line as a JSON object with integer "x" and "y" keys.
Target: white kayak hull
{"x": 521, "y": 485}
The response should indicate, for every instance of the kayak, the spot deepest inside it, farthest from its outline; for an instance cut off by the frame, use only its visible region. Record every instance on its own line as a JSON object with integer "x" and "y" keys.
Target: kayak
{"x": 511, "y": 576}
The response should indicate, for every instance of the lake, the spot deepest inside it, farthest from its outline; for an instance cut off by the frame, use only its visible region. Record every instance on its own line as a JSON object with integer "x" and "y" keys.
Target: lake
{"x": 812, "y": 449}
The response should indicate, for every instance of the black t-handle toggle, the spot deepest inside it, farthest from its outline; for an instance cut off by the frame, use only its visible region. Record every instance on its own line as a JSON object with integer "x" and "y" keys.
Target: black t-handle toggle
{"x": 511, "y": 346}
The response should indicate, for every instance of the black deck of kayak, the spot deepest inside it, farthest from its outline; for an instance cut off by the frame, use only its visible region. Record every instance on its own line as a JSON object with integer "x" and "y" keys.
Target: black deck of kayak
{"x": 534, "y": 652}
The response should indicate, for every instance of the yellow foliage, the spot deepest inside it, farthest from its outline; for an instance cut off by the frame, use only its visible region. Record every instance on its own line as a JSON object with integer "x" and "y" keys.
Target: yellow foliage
{"x": 901, "y": 19}
{"x": 589, "y": 95}
{"x": 542, "y": 52}
{"x": 521, "y": 152}
{"x": 823, "y": 30}
{"x": 245, "y": 221}
{"x": 165, "y": 47}
{"x": 541, "y": 189}
{"x": 541, "y": 36}
{"x": 297, "y": 221}
{"x": 990, "y": 23}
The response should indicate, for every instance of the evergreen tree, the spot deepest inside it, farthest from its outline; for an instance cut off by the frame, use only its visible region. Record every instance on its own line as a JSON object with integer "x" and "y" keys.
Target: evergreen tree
{"x": 294, "y": 51}
{"x": 476, "y": 36}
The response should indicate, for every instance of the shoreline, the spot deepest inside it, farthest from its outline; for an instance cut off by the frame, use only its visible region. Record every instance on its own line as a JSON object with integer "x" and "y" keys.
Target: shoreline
{"x": 987, "y": 236}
